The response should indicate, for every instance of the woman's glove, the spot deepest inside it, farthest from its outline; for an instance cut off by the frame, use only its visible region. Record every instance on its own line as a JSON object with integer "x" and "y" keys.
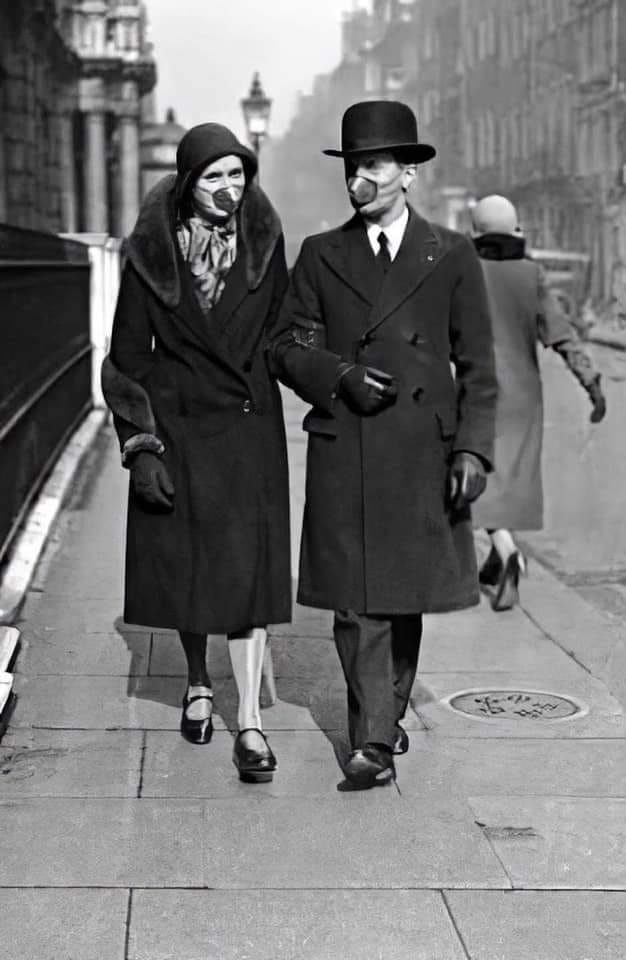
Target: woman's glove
{"x": 150, "y": 480}
{"x": 365, "y": 390}
{"x": 597, "y": 399}
{"x": 467, "y": 479}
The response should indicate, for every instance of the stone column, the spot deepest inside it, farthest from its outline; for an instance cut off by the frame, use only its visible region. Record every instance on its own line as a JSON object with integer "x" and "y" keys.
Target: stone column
{"x": 69, "y": 212}
{"x": 128, "y": 129}
{"x": 96, "y": 186}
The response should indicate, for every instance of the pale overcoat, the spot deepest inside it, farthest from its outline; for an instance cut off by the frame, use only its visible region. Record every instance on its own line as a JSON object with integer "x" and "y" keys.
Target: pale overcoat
{"x": 379, "y": 536}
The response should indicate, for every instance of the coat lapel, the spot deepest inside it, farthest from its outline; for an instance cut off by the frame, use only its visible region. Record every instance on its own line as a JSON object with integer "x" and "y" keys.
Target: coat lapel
{"x": 417, "y": 257}
{"x": 349, "y": 255}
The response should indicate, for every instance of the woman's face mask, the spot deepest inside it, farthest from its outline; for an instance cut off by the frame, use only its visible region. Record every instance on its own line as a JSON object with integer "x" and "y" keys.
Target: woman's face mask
{"x": 217, "y": 192}
{"x": 375, "y": 181}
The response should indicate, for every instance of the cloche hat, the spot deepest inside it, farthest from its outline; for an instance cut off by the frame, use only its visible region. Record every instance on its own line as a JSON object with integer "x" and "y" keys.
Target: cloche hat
{"x": 205, "y": 143}
{"x": 382, "y": 125}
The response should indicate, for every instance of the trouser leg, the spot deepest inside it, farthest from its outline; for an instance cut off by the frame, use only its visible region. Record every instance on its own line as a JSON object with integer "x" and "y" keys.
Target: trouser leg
{"x": 406, "y": 635}
{"x": 364, "y": 645}
{"x": 246, "y": 649}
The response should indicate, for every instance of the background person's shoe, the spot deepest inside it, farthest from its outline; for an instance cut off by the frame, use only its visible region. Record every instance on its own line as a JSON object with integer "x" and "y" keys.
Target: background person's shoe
{"x": 491, "y": 570}
{"x": 401, "y": 744}
{"x": 507, "y": 589}
{"x": 197, "y": 731}
{"x": 370, "y": 767}
{"x": 253, "y": 766}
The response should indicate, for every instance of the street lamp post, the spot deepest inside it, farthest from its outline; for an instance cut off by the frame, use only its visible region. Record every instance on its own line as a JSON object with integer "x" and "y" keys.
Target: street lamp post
{"x": 256, "y": 112}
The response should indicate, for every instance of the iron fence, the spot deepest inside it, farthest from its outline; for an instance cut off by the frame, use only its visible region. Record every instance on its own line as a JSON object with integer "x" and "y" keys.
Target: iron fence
{"x": 45, "y": 361}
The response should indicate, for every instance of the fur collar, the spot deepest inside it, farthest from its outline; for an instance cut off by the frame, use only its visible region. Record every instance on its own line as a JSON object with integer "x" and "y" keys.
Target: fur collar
{"x": 500, "y": 246}
{"x": 152, "y": 246}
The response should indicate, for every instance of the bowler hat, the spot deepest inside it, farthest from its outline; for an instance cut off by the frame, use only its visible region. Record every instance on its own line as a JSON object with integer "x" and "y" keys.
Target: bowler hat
{"x": 205, "y": 143}
{"x": 382, "y": 125}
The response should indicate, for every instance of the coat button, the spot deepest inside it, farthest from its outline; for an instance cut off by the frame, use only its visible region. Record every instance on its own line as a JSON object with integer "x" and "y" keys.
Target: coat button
{"x": 247, "y": 406}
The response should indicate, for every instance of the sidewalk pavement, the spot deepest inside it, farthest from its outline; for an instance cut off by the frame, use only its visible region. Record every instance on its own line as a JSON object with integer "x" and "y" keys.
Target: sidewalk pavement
{"x": 503, "y": 839}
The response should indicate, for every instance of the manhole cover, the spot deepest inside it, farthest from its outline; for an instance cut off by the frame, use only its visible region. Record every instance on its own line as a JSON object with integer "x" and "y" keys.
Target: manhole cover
{"x": 514, "y": 705}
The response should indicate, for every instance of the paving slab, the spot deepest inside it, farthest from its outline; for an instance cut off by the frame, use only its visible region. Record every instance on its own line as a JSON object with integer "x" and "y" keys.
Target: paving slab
{"x": 513, "y": 767}
{"x": 480, "y": 640}
{"x": 306, "y": 622}
{"x": 50, "y": 925}
{"x": 48, "y": 652}
{"x": 555, "y": 925}
{"x": 102, "y": 843}
{"x": 289, "y": 924}
{"x": 43, "y": 611}
{"x": 557, "y": 842}
{"x": 605, "y": 717}
{"x": 307, "y": 767}
{"x": 99, "y": 703}
{"x": 70, "y": 763}
{"x": 371, "y": 839}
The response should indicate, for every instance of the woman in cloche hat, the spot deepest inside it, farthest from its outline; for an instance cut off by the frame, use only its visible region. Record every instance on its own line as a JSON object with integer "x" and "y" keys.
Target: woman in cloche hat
{"x": 200, "y": 425}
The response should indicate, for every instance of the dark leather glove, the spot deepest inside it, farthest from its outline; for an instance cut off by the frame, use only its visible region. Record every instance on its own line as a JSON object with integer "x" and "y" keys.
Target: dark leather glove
{"x": 150, "y": 480}
{"x": 365, "y": 389}
{"x": 597, "y": 399}
{"x": 467, "y": 479}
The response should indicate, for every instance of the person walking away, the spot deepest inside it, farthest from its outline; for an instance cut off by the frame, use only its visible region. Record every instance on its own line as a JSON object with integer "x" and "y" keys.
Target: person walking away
{"x": 375, "y": 312}
{"x": 524, "y": 313}
{"x": 200, "y": 425}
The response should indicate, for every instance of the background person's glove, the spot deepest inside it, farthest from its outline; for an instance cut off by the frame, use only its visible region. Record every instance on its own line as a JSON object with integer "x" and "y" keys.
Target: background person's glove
{"x": 150, "y": 480}
{"x": 365, "y": 389}
{"x": 598, "y": 400}
{"x": 467, "y": 479}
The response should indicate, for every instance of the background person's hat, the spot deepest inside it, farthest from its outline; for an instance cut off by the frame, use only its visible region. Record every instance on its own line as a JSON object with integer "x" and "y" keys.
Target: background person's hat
{"x": 382, "y": 125}
{"x": 495, "y": 214}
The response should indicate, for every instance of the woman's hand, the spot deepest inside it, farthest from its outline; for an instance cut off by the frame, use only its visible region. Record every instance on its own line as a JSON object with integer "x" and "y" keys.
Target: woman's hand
{"x": 151, "y": 481}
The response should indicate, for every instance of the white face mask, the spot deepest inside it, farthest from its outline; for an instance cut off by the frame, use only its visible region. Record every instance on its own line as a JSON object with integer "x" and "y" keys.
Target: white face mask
{"x": 375, "y": 183}
{"x": 218, "y": 190}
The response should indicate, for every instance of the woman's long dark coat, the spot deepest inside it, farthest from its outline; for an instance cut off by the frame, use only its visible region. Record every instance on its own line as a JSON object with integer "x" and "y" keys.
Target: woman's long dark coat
{"x": 379, "y": 537}
{"x": 220, "y": 561}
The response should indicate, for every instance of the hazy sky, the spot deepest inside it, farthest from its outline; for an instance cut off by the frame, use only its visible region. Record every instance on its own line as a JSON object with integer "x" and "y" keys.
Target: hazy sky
{"x": 207, "y": 51}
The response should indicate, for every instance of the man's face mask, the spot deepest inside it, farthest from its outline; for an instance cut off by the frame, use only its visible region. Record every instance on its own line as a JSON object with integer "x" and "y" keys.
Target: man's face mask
{"x": 375, "y": 181}
{"x": 218, "y": 190}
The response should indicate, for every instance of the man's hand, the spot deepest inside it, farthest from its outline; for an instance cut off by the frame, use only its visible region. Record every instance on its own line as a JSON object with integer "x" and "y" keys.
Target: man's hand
{"x": 150, "y": 480}
{"x": 365, "y": 390}
{"x": 467, "y": 479}
{"x": 598, "y": 400}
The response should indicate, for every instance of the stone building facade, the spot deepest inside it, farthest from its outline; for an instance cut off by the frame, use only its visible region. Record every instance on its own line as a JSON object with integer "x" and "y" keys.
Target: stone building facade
{"x": 73, "y": 76}
{"x": 521, "y": 97}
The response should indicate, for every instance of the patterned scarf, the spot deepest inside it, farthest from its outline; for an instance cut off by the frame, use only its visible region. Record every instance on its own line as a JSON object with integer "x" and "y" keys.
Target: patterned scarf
{"x": 210, "y": 251}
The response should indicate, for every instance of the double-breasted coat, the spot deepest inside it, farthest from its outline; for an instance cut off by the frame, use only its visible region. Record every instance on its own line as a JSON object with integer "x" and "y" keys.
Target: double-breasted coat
{"x": 220, "y": 560}
{"x": 379, "y": 535}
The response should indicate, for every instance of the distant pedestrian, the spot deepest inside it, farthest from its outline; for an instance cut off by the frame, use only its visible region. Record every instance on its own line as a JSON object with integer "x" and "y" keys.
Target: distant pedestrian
{"x": 200, "y": 424}
{"x": 524, "y": 313}
{"x": 375, "y": 312}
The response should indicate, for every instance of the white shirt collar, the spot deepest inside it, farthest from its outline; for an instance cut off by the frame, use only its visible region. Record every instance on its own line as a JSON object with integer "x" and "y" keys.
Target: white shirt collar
{"x": 394, "y": 233}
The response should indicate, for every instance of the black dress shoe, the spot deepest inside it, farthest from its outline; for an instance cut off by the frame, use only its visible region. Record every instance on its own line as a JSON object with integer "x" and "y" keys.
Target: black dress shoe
{"x": 370, "y": 767}
{"x": 401, "y": 744}
{"x": 491, "y": 570}
{"x": 253, "y": 766}
{"x": 196, "y": 731}
{"x": 507, "y": 592}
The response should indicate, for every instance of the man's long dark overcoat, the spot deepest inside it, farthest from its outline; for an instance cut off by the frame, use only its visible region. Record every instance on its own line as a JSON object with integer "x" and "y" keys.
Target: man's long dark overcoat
{"x": 220, "y": 561}
{"x": 379, "y": 536}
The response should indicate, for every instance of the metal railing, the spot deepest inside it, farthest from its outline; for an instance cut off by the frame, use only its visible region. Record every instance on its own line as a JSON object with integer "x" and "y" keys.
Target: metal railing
{"x": 45, "y": 361}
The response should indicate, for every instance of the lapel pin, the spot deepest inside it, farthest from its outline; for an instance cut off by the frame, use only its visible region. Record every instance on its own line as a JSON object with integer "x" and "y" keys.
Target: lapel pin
{"x": 430, "y": 257}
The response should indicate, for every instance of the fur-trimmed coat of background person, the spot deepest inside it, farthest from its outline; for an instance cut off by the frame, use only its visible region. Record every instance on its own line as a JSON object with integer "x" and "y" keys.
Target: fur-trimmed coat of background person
{"x": 218, "y": 561}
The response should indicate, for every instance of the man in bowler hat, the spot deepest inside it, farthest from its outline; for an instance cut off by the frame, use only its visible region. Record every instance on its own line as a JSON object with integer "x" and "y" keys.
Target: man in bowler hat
{"x": 378, "y": 313}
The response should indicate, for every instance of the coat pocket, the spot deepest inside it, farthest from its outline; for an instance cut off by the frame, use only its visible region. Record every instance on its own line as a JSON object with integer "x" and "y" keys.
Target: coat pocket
{"x": 447, "y": 420}
{"x": 316, "y": 421}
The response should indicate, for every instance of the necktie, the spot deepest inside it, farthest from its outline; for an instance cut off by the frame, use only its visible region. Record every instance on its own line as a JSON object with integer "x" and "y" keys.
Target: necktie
{"x": 383, "y": 256}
